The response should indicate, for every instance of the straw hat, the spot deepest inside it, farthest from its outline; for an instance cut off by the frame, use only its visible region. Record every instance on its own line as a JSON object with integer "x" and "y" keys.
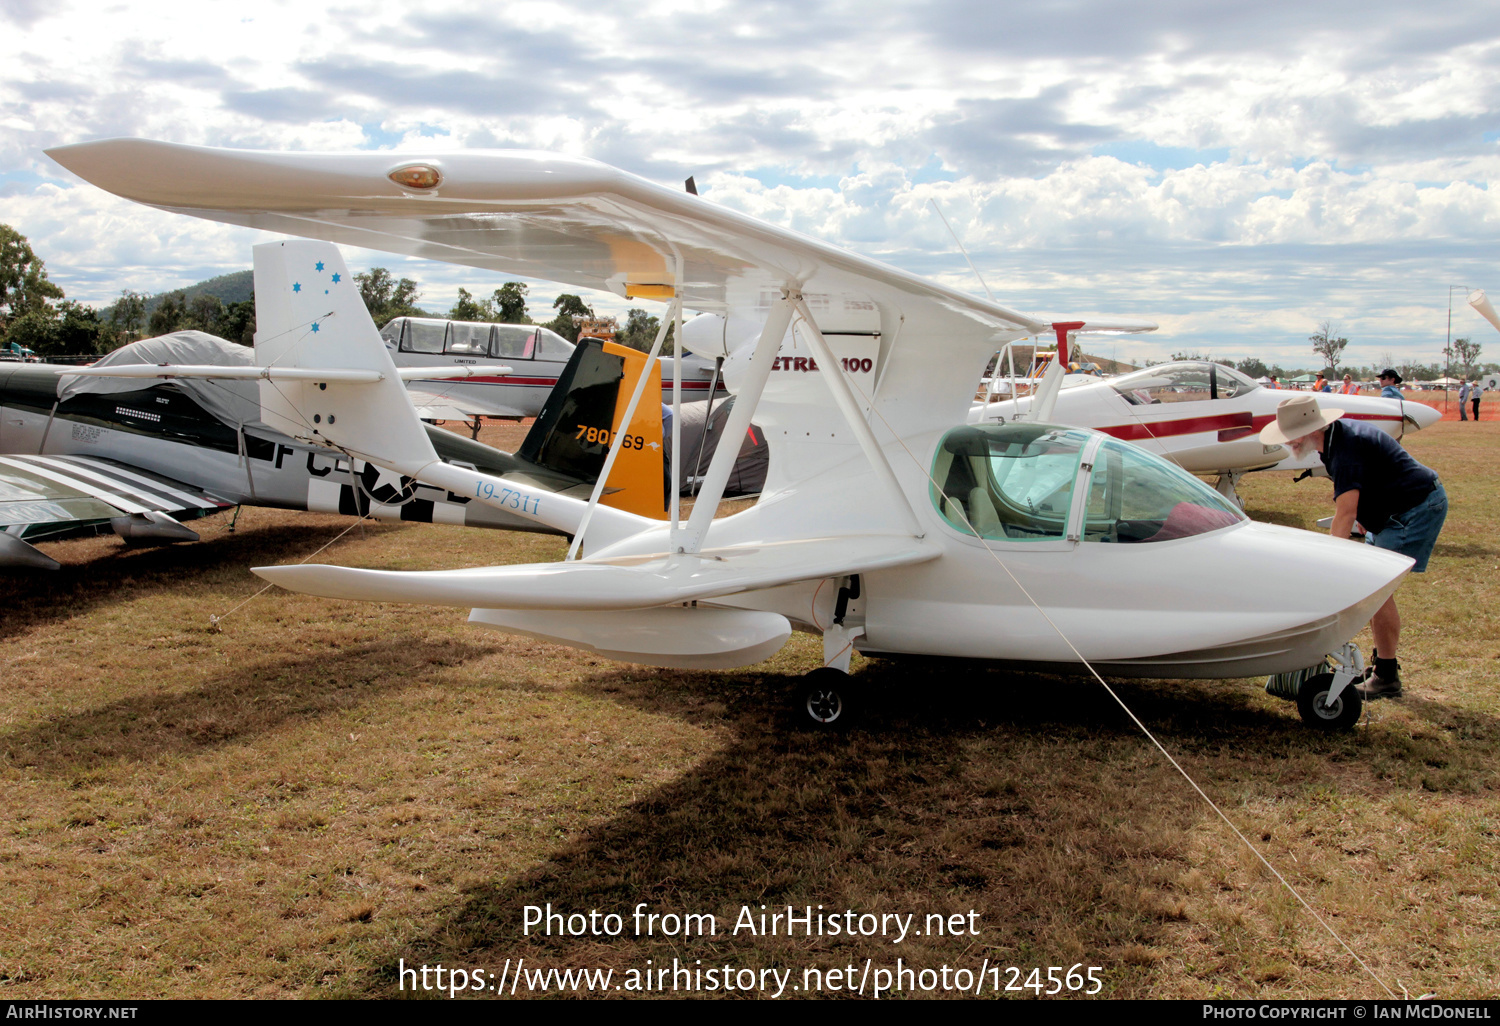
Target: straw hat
{"x": 1296, "y": 417}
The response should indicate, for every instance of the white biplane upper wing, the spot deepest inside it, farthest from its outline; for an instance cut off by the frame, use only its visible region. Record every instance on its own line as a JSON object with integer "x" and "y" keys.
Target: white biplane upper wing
{"x": 580, "y": 222}
{"x": 631, "y": 582}
{"x": 566, "y": 219}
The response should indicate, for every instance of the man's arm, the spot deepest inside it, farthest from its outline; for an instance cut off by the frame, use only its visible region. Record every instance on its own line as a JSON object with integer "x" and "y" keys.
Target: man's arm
{"x": 1344, "y": 509}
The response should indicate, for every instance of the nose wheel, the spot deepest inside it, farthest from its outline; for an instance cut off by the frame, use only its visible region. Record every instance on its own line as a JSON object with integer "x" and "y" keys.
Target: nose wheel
{"x": 825, "y": 701}
{"x": 1342, "y": 713}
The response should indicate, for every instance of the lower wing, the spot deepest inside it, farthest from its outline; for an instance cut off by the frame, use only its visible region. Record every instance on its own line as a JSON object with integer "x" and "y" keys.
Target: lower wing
{"x": 632, "y": 582}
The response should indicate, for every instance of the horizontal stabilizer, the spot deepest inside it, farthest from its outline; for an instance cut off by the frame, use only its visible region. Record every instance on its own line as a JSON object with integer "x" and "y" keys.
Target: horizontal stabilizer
{"x": 687, "y": 638}
{"x": 630, "y": 582}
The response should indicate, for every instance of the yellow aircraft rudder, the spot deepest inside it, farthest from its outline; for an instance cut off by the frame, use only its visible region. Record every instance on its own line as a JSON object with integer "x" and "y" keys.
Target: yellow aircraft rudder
{"x": 637, "y": 482}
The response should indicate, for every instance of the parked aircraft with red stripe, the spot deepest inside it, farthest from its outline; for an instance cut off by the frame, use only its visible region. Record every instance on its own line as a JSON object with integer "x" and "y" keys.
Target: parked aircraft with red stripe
{"x": 1205, "y": 417}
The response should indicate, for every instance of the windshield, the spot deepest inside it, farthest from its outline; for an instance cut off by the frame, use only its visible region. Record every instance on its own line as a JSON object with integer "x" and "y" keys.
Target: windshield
{"x": 1182, "y": 382}
{"x": 1135, "y": 496}
{"x": 1016, "y": 481}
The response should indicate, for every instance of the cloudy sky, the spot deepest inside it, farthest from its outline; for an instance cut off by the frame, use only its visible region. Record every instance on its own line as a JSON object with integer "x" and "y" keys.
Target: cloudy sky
{"x": 1238, "y": 172}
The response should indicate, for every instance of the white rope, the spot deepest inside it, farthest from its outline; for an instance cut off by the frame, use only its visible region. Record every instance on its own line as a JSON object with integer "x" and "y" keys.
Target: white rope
{"x": 1121, "y": 702}
{"x": 214, "y": 621}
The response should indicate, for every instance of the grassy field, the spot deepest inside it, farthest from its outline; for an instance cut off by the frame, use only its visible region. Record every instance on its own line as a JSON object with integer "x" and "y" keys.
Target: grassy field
{"x": 320, "y": 792}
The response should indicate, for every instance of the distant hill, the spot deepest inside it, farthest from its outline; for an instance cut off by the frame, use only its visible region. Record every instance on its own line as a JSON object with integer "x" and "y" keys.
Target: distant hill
{"x": 230, "y": 288}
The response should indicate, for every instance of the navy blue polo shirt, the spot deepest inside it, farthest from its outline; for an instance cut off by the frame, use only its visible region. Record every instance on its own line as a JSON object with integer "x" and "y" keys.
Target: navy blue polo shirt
{"x": 1390, "y": 482}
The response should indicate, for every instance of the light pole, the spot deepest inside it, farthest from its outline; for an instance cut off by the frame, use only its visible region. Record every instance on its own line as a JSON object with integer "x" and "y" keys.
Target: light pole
{"x": 1448, "y": 349}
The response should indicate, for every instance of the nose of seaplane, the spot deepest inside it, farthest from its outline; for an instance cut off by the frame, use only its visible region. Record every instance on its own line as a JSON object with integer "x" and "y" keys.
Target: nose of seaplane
{"x": 1297, "y": 595}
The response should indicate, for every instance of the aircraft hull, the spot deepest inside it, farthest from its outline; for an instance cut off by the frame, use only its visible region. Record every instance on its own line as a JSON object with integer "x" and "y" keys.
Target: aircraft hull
{"x": 1204, "y": 606}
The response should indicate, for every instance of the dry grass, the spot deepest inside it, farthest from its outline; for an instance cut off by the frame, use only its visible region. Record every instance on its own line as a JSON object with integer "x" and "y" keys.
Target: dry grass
{"x": 292, "y": 805}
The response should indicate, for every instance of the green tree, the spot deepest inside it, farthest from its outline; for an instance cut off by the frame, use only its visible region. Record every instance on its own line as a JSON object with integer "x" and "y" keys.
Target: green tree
{"x": 170, "y": 315}
{"x": 466, "y": 309}
{"x": 570, "y": 310}
{"x": 640, "y": 331}
{"x": 237, "y": 323}
{"x": 24, "y": 286}
{"x": 510, "y": 303}
{"x": 73, "y": 329}
{"x": 80, "y": 330}
{"x": 1328, "y": 346}
{"x": 1252, "y": 367}
{"x": 204, "y": 312}
{"x": 127, "y": 316}
{"x": 385, "y": 297}
{"x": 1466, "y": 356}
{"x": 33, "y": 330}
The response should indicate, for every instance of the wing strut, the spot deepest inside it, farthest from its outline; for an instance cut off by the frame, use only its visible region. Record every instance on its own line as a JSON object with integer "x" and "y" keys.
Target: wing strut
{"x": 747, "y": 400}
{"x": 828, "y": 365}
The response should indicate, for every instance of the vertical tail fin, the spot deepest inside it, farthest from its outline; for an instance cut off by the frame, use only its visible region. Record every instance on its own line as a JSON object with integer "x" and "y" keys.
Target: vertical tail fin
{"x": 309, "y": 314}
{"x": 573, "y": 432}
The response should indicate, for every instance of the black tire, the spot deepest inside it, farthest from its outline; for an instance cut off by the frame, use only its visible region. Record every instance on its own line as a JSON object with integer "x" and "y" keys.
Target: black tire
{"x": 1342, "y": 715}
{"x": 825, "y": 701}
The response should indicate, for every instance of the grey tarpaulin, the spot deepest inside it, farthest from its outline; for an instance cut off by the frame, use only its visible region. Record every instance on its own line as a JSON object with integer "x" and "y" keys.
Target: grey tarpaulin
{"x": 234, "y": 402}
{"x": 749, "y": 474}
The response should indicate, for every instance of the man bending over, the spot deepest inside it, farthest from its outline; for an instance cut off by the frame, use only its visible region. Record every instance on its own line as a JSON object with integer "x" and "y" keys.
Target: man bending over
{"x": 1378, "y": 491}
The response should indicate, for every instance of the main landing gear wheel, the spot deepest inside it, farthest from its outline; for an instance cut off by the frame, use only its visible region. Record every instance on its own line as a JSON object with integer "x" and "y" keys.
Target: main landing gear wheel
{"x": 1317, "y": 712}
{"x": 825, "y": 700}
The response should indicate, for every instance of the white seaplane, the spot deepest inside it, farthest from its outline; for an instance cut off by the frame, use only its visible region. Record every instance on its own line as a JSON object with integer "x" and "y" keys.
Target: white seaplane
{"x": 887, "y": 523}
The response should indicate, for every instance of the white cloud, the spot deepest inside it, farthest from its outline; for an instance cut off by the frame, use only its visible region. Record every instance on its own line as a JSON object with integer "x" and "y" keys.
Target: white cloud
{"x": 1238, "y": 172}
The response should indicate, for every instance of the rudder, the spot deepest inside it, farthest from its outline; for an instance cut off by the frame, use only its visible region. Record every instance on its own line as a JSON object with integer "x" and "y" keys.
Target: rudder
{"x": 573, "y": 433}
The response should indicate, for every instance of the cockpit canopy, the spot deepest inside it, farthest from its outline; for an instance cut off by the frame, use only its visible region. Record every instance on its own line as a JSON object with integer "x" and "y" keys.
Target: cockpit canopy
{"x": 475, "y": 338}
{"x": 1023, "y": 481}
{"x": 1182, "y": 382}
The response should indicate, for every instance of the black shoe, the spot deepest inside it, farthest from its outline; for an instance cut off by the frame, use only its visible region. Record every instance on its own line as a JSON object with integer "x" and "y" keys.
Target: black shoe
{"x": 1376, "y": 687}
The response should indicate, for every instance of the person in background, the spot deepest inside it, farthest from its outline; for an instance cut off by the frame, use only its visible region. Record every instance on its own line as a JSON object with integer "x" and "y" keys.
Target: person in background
{"x": 1378, "y": 491}
{"x": 1275, "y": 382}
{"x": 1390, "y": 383}
{"x": 1463, "y": 400}
{"x": 1474, "y": 394}
{"x": 1321, "y": 384}
{"x": 1350, "y": 388}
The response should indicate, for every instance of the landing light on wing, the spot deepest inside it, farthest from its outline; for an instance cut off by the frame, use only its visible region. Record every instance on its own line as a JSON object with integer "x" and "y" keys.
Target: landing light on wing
{"x": 417, "y": 176}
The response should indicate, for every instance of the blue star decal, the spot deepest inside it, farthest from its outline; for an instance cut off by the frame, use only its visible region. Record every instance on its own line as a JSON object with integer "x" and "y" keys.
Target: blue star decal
{"x": 315, "y": 325}
{"x": 296, "y": 286}
{"x": 320, "y": 265}
{"x": 335, "y": 279}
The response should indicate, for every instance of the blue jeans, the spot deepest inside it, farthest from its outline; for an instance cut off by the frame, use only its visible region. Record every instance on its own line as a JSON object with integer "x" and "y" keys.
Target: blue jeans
{"x": 1415, "y": 532}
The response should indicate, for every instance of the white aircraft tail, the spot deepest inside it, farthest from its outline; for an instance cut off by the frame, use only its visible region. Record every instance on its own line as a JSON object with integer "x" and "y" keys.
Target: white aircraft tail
{"x": 310, "y": 319}
{"x": 309, "y": 314}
